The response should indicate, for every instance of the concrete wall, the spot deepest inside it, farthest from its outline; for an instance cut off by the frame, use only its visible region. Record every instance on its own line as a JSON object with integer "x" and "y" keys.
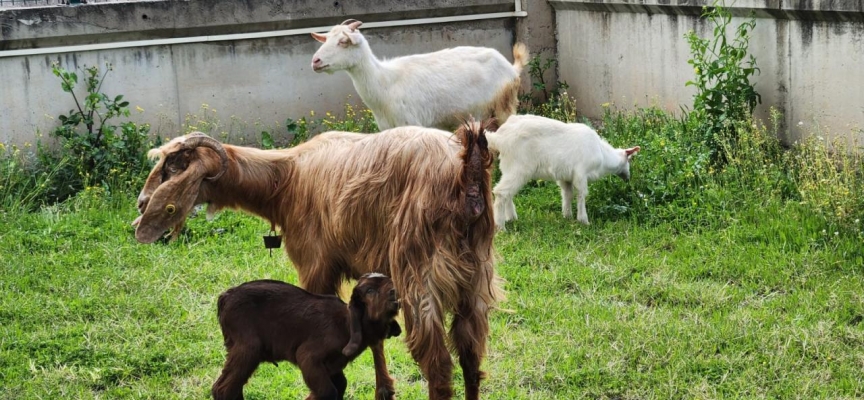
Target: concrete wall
{"x": 633, "y": 52}
{"x": 252, "y": 84}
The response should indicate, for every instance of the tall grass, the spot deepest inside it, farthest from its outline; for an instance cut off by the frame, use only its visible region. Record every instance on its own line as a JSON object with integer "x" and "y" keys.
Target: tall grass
{"x": 25, "y": 184}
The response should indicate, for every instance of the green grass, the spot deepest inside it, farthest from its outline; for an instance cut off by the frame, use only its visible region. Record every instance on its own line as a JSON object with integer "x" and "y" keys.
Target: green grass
{"x": 762, "y": 305}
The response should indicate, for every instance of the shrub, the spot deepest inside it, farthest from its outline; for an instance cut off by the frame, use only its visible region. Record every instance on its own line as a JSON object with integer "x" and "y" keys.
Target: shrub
{"x": 724, "y": 98}
{"x": 99, "y": 152}
{"x": 552, "y": 102}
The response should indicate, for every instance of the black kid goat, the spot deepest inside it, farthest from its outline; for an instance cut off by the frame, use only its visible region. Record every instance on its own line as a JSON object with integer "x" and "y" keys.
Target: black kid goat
{"x": 270, "y": 321}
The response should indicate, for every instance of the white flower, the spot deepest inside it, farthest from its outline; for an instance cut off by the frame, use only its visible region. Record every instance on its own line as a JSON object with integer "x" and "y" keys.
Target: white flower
{"x": 800, "y": 123}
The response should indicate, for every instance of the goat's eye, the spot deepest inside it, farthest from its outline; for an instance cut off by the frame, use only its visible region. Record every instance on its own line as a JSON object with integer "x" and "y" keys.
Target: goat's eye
{"x": 343, "y": 42}
{"x": 371, "y": 291}
{"x": 170, "y": 209}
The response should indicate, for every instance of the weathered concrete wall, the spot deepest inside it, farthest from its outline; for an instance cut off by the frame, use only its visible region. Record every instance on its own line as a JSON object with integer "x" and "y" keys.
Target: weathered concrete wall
{"x": 252, "y": 84}
{"x": 538, "y": 33}
{"x": 628, "y": 52}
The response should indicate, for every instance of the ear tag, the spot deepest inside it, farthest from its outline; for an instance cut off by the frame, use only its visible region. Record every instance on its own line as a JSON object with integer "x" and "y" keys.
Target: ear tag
{"x": 272, "y": 241}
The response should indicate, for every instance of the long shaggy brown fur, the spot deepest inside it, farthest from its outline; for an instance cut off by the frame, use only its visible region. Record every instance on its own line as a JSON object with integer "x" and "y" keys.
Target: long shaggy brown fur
{"x": 413, "y": 203}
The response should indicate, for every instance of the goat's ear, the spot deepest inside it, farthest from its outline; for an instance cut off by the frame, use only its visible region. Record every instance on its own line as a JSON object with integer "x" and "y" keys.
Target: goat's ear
{"x": 395, "y": 330}
{"x": 491, "y": 124}
{"x": 353, "y": 37}
{"x": 171, "y": 203}
{"x": 319, "y": 37}
{"x": 631, "y": 151}
{"x": 356, "y": 309}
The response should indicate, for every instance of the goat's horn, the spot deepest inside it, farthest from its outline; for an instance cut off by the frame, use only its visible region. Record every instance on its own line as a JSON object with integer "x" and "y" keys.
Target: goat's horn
{"x": 353, "y": 24}
{"x": 196, "y": 139}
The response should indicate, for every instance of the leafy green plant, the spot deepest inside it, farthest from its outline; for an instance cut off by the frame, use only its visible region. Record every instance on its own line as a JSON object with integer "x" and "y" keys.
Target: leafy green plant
{"x": 537, "y": 67}
{"x": 552, "y": 102}
{"x": 723, "y": 68}
{"x": 99, "y": 150}
{"x": 299, "y": 130}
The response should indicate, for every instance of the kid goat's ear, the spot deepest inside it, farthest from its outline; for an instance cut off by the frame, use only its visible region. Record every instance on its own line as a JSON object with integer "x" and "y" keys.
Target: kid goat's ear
{"x": 356, "y": 308}
{"x": 631, "y": 151}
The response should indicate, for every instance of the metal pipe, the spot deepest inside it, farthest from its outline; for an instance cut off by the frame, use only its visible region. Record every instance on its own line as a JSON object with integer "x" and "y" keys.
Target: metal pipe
{"x": 257, "y": 35}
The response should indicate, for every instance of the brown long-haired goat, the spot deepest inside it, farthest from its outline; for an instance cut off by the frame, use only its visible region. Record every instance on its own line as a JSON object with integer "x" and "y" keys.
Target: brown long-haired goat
{"x": 270, "y": 321}
{"x": 413, "y": 203}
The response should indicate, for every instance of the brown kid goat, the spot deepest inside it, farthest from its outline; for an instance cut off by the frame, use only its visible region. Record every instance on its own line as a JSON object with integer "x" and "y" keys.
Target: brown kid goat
{"x": 412, "y": 203}
{"x": 270, "y": 321}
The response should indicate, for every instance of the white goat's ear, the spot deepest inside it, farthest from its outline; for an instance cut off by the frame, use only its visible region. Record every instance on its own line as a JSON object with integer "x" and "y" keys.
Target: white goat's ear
{"x": 319, "y": 37}
{"x": 631, "y": 151}
{"x": 353, "y": 37}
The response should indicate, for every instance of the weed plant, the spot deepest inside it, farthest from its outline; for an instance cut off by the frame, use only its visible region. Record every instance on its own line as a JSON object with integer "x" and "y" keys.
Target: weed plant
{"x": 725, "y": 97}
{"x": 355, "y": 118}
{"x": 98, "y": 151}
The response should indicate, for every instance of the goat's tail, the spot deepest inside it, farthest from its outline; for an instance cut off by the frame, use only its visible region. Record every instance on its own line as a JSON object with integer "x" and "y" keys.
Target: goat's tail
{"x": 478, "y": 225}
{"x": 220, "y": 304}
{"x": 506, "y": 101}
{"x": 476, "y": 161}
{"x": 520, "y": 57}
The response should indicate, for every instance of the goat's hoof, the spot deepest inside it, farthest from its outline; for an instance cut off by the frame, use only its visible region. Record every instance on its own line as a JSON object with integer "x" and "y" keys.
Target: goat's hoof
{"x": 385, "y": 394}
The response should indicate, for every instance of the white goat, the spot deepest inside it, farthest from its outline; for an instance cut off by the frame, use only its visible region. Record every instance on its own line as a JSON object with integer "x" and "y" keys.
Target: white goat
{"x": 532, "y": 147}
{"x": 438, "y": 89}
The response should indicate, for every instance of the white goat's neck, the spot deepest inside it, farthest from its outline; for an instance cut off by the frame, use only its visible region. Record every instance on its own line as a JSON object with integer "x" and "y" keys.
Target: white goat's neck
{"x": 371, "y": 78}
{"x": 612, "y": 158}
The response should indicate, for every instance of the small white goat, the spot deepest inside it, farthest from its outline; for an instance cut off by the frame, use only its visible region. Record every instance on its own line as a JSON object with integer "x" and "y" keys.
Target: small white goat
{"x": 532, "y": 147}
{"x": 438, "y": 89}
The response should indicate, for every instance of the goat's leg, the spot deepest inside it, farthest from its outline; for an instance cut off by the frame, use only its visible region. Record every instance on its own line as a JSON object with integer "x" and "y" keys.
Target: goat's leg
{"x": 340, "y": 382}
{"x": 383, "y": 382}
{"x": 318, "y": 380}
{"x": 566, "y": 198}
{"x": 582, "y": 189}
{"x": 505, "y": 190}
{"x": 425, "y": 339}
{"x": 239, "y": 366}
{"x": 469, "y": 331}
{"x": 510, "y": 210}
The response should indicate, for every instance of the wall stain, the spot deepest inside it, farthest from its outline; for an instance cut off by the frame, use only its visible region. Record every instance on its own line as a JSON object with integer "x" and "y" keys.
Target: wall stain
{"x": 27, "y": 67}
{"x": 806, "y": 33}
